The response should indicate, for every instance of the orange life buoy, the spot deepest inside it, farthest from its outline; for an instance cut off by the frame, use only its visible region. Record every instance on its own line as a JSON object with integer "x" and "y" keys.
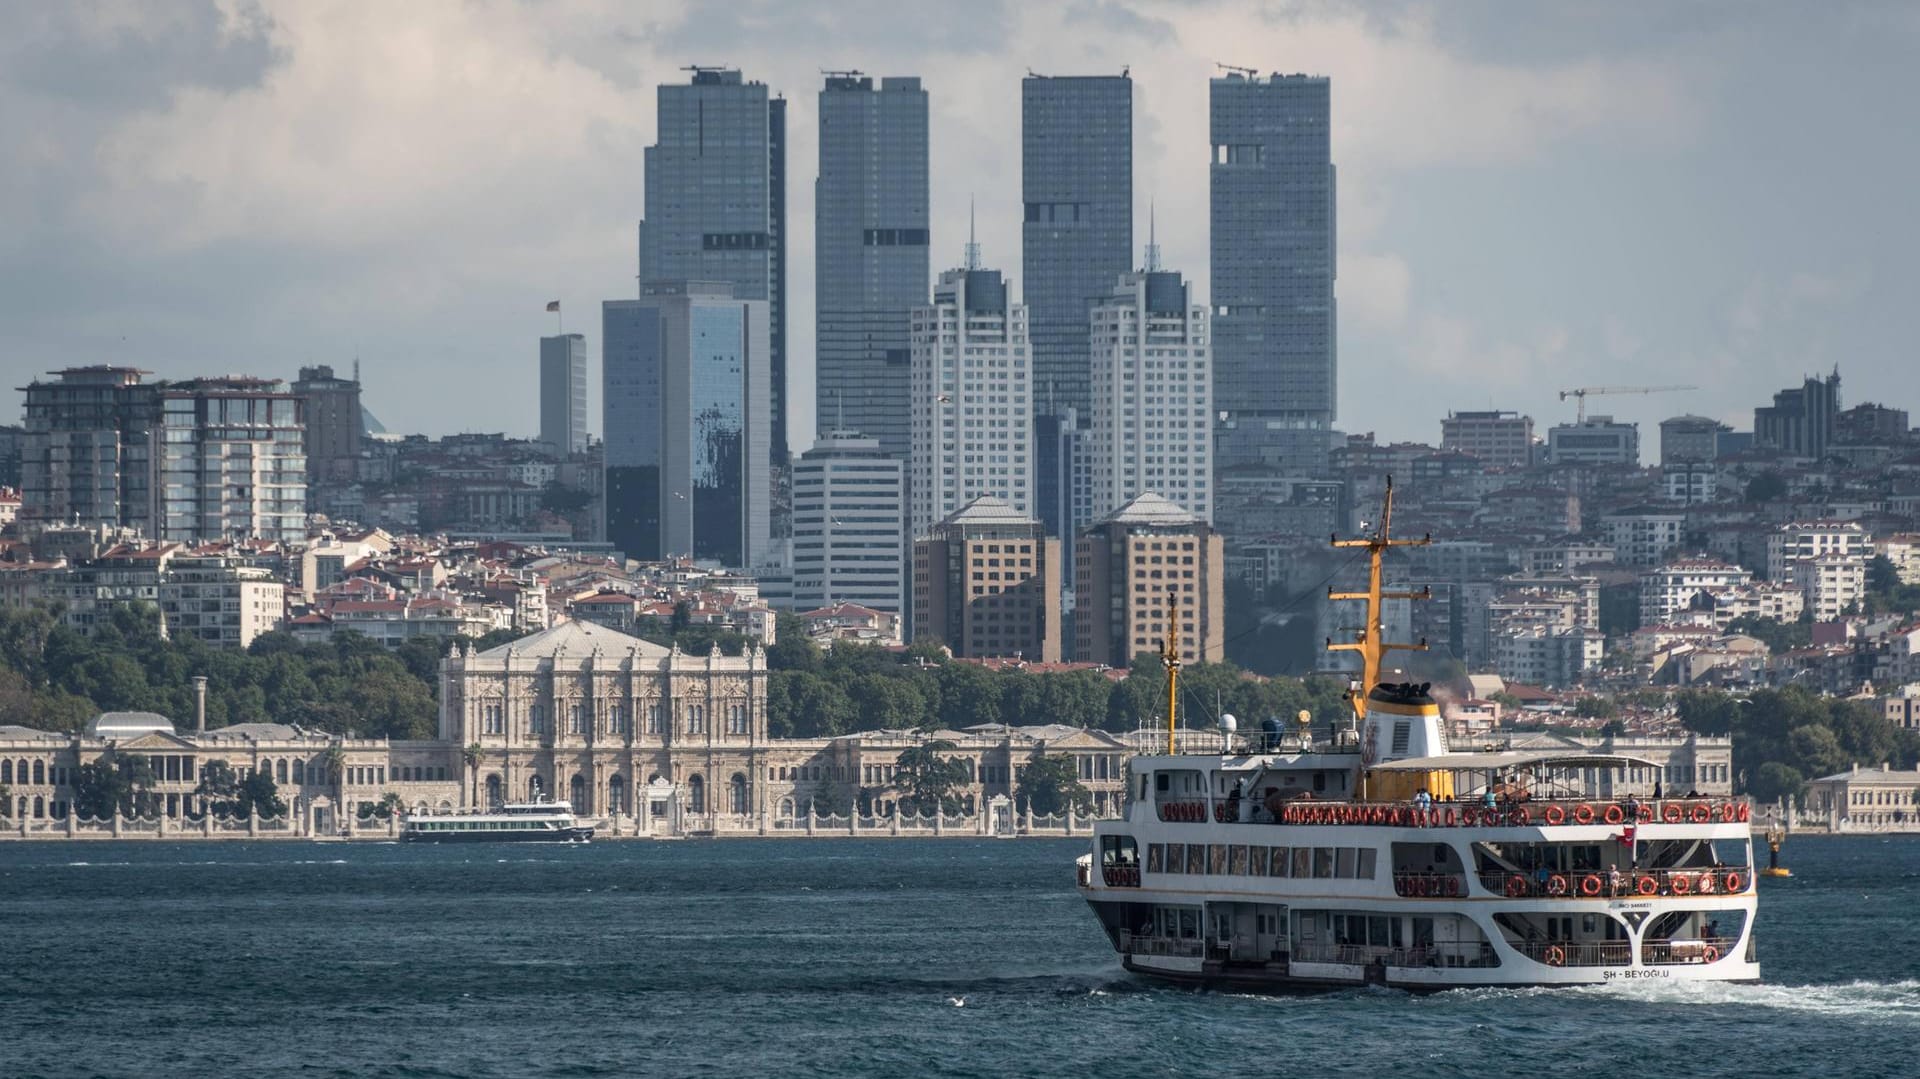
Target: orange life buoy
{"x": 1646, "y": 885}
{"x": 1743, "y": 812}
{"x": 1556, "y": 956}
{"x": 1734, "y": 882}
{"x": 1521, "y": 816}
{"x": 1671, "y": 813}
{"x": 1681, "y": 883}
{"x": 1727, "y": 813}
{"x": 1467, "y": 817}
{"x": 1590, "y": 885}
{"x": 1705, "y": 884}
{"x": 1453, "y": 886}
{"x": 1583, "y": 814}
{"x": 1710, "y": 954}
{"x": 1516, "y": 886}
{"x": 1646, "y": 813}
{"x": 1557, "y": 815}
{"x": 1702, "y": 813}
{"x": 1451, "y": 818}
{"x": 1615, "y": 815}
{"x": 1557, "y": 885}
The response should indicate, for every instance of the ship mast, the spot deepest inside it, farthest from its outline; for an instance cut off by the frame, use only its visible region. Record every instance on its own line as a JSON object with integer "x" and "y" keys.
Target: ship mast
{"x": 1370, "y": 640}
{"x": 1170, "y": 655}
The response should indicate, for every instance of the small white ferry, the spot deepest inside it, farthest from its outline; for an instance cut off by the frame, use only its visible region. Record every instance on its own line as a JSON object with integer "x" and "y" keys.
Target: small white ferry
{"x": 537, "y": 822}
{"x": 1382, "y": 856}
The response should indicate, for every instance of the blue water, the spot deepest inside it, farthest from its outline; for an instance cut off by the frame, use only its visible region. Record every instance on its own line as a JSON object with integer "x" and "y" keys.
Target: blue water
{"x": 828, "y": 957}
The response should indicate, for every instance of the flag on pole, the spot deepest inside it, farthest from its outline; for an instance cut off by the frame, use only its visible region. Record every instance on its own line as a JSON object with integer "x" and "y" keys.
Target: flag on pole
{"x": 553, "y": 306}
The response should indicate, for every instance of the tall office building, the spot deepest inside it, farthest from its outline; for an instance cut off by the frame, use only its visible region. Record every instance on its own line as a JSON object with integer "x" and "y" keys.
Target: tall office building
{"x": 716, "y": 206}
{"x": 849, "y": 525}
{"x": 1596, "y": 440}
{"x": 870, "y": 253}
{"x": 330, "y": 405}
{"x": 1124, "y": 568}
{"x": 230, "y": 461}
{"x": 972, "y": 399}
{"x": 1272, "y": 219}
{"x": 563, "y": 393}
{"x": 687, "y": 420}
{"x": 1498, "y": 439}
{"x": 86, "y": 451}
{"x": 1801, "y": 420}
{"x": 1152, "y": 395}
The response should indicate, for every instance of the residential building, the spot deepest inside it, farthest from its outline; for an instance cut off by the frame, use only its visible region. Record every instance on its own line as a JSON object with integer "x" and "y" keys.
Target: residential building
{"x": 870, "y": 213}
{"x": 688, "y": 419}
{"x": 230, "y": 461}
{"x": 87, "y": 450}
{"x": 849, "y": 525}
{"x": 1152, "y": 395}
{"x": 1871, "y": 423}
{"x": 1596, "y": 440}
{"x": 1691, "y": 439}
{"x": 1902, "y": 549}
{"x": 716, "y": 208}
{"x": 1499, "y": 439}
{"x": 563, "y": 394}
{"x": 1674, "y": 586}
{"x": 1271, "y": 211}
{"x": 986, "y": 582}
{"x": 972, "y": 398}
{"x": 1799, "y": 540}
{"x": 1690, "y": 483}
{"x": 1834, "y": 584}
{"x": 330, "y": 407}
{"x": 1548, "y": 657}
{"x": 1801, "y": 420}
{"x": 1643, "y": 536}
{"x": 1127, "y": 568}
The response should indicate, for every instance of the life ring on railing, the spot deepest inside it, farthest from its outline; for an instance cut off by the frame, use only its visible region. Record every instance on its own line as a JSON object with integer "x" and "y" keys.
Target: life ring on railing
{"x": 1452, "y": 886}
{"x": 1671, "y": 813}
{"x": 1557, "y": 885}
{"x": 1680, "y": 883}
{"x": 1702, "y": 813}
{"x": 1556, "y": 956}
{"x": 1709, "y": 954}
{"x": 1468, "y": 817}
{"x": 1516, "y": 886}
{"x": 1521, "y": 816}
{"x": 1646, "y": 885}
{"x": 1705, "y": 884}
{"x": 1557, "y": 815}
{"x": 1646, "y": 813}
{"x": 1590, "y": 885}
{"x": 1734, "y": 882}
{"x": 1583, "y": 814}
{"x": 1614, "y": 815}
{"x": 1728, "y": 814}
{"x": 1451, "y": 817}
{"x": 1743, "y": 812}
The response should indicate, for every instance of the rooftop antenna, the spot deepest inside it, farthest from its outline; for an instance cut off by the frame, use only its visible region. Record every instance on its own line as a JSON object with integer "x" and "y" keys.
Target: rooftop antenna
{"x": 973, "y": 246}
{"x": 1153, "y": 248}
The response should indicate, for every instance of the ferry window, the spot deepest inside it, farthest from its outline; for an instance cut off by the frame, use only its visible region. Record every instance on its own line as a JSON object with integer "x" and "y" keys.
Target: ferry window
{"x": 1279, "y": 865}
{"x": 1196, "y": 859}
{"x": 1303, "y": 861}
{"x": 1217, "y": 859}
{"x": 1189, "y": 924}
{"x": 1323, "y": 862}
{"x": 1256, "y": 861}
{"x": 1368, "y": 856}
{"x": 1156, "y": 857}
{"x": 1162, "y": 782}
{"x": 1176, "y": 857}
{"x": 1343, "y": 863}
{"x": 1143, "y": 788}
{"x": 1237, "y": 861}
{"x": 1319, "y": 781}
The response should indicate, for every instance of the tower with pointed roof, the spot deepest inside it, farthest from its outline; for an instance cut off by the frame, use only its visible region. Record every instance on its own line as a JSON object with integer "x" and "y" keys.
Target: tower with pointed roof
{"x": 986, "y": 582}
{"x": 1123, "y": 568}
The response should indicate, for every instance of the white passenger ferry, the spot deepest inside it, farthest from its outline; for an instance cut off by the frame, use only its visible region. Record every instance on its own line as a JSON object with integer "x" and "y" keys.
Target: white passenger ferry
{"x": 1384, "y": 857}
{"x": 539, "y": 822}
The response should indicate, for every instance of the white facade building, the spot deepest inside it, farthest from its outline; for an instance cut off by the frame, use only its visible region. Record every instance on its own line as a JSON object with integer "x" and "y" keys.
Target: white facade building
{"x": 849, "y": 525}
{"x": 1152, "y": 396}
{"x": 1671, "y": 588}
{"x": 1643, "y": 537}
{"x": 972, "y": 429}
{"x": 1834, "y": 584}
{"x": 1799, "y": 540}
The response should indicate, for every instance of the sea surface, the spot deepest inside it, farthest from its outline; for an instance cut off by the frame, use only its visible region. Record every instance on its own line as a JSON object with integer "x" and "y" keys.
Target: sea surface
{"x": 774, "y": 958}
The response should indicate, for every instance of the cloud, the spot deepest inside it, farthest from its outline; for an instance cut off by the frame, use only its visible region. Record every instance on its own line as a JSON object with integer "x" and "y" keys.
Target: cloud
{"x": 1373, "y": 290}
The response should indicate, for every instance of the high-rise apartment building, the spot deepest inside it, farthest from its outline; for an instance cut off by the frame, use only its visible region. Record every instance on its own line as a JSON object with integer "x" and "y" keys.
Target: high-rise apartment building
{"x": 972, "y": 401}
{"x": 1271, "y": 186}
{"x": 563, "y": 394}
{"x": 1125, "y": 567}
{"x": 1152, "y": 395}
{"x": 849, "y": 525}
{"x": 86, "y": 452}
{"x": 716, "y": 206}
{"x": 1596, "y": 440}
{"x": 1690, "y": 439}
{"x": 687, "y": 420}
{"x": 1498, "y": 439}
{"x": 1801, "y": 421}
{"x": 870, "y": 209}
{"x": 986, "y": 582}
{"x": 330, "y": 405}
{"x": 229, "y": 461}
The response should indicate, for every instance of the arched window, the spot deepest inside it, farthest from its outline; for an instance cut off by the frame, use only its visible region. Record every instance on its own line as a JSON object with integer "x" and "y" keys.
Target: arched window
{"x": 617, "y": 794}
{"x": 39, "y": 807}
{"x": 577, "y": 718}
{"x": 280, "y": 771}
{"x": 736, "y": 719}
{"x": 577, "y": 794}
{"x": 6, "y": 771}
{"x": 696, "y": 718}
{"x": 494, "y": 789}
{"x": 786, "y": 809}
{"x": 737, "y": 793}
{"x": 39, "y": 772}
{"x": 617, "y": 719}
{"x": 697, "y": 794}
{"x": 299, "y": 770}
{"x": 537, "y": 718}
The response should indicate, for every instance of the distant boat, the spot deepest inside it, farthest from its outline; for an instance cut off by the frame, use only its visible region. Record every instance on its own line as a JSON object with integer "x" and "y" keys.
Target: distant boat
{"x": 517, "y": 822}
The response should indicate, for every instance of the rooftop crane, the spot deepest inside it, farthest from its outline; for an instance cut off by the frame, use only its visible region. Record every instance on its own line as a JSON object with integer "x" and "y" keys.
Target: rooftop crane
{"x": 1581, "y": 394}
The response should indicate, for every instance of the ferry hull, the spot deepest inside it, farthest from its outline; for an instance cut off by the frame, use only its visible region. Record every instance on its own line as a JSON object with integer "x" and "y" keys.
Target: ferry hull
{"x": 1281, "y": 980}
{"x": 568, "y": 835}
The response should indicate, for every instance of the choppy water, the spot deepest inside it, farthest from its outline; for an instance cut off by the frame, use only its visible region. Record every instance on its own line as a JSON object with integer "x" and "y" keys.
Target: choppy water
{"x": 828, "y": 957}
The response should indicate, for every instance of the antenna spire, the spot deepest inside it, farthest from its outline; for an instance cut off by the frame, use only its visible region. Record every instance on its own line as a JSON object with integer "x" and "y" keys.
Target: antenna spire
{"x": 973, "y": 245}
{"x": 1153, "y": 246}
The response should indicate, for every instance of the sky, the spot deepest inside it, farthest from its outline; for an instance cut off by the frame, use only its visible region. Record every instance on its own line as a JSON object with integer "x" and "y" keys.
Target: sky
{"x": 1531, "y": 196}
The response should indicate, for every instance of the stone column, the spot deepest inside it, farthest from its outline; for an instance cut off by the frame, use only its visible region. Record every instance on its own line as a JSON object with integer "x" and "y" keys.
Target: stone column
{"x": 940, "y": 820}
{"x": 116, "y": 823}
{"x": 253, "y": 821}
{"x": 895, "y": 829}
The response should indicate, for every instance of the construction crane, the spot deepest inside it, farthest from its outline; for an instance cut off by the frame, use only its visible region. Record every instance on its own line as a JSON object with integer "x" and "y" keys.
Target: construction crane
{"x": 1249, "y": 72}
{"x": 1583, "y": 392}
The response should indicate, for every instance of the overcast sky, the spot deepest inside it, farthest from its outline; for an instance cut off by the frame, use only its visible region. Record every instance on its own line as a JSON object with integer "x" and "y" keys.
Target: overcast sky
{"x": 1531, "y": 196}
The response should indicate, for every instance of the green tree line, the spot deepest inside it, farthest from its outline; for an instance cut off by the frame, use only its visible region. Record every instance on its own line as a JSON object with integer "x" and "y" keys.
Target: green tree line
{"x": 1783, "y": 738}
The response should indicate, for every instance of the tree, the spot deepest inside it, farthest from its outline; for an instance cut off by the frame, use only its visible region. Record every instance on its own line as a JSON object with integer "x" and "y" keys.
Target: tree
{"x": 1776, "y": 782}
{"x": 1050, "y": 784}
{"x": 1766, "y": 487}
{"x": 333, "y": 765}
{"x": 926, "y": 780}
{"x": 1595, "y": 708}
{"x": 260, "y": 796}
{"x": 792, "y": 649}
{"x": 114, "y": 784}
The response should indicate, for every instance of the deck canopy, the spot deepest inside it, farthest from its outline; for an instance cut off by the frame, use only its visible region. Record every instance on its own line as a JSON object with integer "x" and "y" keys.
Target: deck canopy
{"x": 1511, "y": 760}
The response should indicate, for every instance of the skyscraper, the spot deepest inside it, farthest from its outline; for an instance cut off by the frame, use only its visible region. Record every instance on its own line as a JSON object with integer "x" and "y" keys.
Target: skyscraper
{"x": 716, "y": 206}
{"x": 1152, "y": 395}
{"x": 331, "y": 408}
{"x": 230, "y": 461}
{"x": 1076, "y": 178}
{"x": 563, "y": 393}
{"x": 849, "y": 525}
{"x": 688, "y": 421}
{"x": 972, "y": 401}
{"x": 870, "y": 253}
{"x": 86, "y": 453}
{"x": 1272, "y": 218}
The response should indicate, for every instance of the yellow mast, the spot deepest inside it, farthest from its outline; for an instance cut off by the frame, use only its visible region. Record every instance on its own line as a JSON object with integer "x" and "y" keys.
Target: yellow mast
{"x": 1170, "y": 655}
{"x": 1368, "y": 640}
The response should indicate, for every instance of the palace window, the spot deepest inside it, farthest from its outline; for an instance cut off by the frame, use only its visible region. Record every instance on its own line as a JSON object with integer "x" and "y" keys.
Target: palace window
{"x": 493, "y": 719}
{"x": 577, "y": 717}
{"x": 696, "y": 719}
{"x": 537, "y": 720}
{"x": 736, "y": 719}
{"x": 656, "y": 718}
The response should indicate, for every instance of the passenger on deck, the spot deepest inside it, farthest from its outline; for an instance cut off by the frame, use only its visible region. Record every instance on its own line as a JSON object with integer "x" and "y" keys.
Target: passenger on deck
{"x": 1615, "y": 880}
{"x": 1422, "y": 800}
{"x": 1656, "y": 790}
{"x": 1631, "y": 807}
{"x": 1489, "y": 799}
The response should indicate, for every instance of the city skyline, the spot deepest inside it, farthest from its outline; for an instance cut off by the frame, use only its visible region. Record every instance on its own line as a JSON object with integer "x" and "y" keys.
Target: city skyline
{"x": 1501, "y": 184}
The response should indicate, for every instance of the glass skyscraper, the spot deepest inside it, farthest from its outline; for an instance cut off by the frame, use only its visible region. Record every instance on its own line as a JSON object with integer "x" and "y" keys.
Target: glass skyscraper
{"x": 870, "y": 253}
{"x": 1272, "y": 227}
{"x": 563, "y": 393}
{"x": 1076, "y": 178}
{"x": 716, "y": 207}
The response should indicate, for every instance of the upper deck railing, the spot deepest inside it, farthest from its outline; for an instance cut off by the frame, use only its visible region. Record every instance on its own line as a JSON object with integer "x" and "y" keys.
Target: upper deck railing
{"x": 1523, "y": 814}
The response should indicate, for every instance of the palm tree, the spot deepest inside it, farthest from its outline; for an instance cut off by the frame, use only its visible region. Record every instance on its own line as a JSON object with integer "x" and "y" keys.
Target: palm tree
{"x": 474, "y": 755}
{"x": 334, "y": 763}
